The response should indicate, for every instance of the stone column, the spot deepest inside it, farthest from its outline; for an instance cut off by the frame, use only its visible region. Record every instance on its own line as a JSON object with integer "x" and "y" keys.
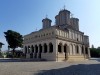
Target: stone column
{"x": 34, "y": 51}
{"x": 37, "y": 51}
{"x": 84, "y": 52}
{"x": 43, "y": 48}
{"x": 62, "y": 48}
{"x": 74, "y": 53}
{"x": 47, "y": 48}
{"x": 30, "y": 49}
{"x": 89, "y": 52}
{"x": 80, "y": 50}
{"x": 70, "y": 49}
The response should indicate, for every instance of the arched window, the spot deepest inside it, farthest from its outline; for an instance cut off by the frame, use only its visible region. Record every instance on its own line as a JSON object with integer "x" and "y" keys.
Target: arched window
{"x": 82, "y": 50}
{"x": 32, "y": 48}
{"x": 50, "y": 47}
{"x": 45, "y": 48}
{"x": 59, "y": 48}
{"x": 25, "y": 49}
{"x": 40, "y": 48}
{"x": 77, "y": 49}
{"x": 65, "y": 48}
{"x": 86, "y": 50}
{"x": 36, "y": 49}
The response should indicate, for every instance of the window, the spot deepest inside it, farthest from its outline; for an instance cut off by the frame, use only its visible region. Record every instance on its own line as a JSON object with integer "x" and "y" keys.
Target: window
{"x": 77, "y": 49}
{"x": 45, "y": 48}
{"x": 59, "y": 48}
{"x": 50, "y": 47}
{"x": 32, "y": 48}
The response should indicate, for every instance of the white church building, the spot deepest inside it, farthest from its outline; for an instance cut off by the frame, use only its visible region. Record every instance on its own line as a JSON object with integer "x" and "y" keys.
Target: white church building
{"x": 60, "y": 42}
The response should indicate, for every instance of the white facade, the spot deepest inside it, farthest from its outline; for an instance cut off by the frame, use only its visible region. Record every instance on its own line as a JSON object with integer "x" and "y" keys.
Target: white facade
{"x": 60, "y": 42}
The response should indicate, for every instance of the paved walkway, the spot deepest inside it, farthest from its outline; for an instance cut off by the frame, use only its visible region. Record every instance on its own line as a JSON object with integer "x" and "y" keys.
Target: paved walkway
{"x": 89, "y": 67}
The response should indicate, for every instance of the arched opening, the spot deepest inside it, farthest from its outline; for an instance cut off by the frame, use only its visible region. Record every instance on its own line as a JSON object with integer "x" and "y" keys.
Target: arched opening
{"x": 32, "y": 51}
{"x": 45, "y": 48}
{"x": 36, "y": 51}
{"x": 65, "y": 48}
{"x": 82, "y": 50}
{"x": 40, "y": 50}
{"x": 50, "y": 47}
{"x": 86, "y": 50}
{"x": 32, "y": 48}
{"x": 60, "y": 48}
{"x": 77, "y": 49}
{"x": 25, "y": 49}
{"x": 29, "y": 49}
{"x": 65, "y": 51}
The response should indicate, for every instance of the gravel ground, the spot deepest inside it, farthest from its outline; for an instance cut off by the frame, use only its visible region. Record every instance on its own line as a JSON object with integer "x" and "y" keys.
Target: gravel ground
{"x": 88, "y": 67}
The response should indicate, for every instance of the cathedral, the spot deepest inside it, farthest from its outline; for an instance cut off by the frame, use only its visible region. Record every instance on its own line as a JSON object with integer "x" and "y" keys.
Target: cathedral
{"x": 60, "y": 42}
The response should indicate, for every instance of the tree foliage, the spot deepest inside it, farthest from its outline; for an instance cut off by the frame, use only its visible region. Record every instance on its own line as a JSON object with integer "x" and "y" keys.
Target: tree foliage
{"x": 95, "y": 52}
{"x": 14, "y": 39}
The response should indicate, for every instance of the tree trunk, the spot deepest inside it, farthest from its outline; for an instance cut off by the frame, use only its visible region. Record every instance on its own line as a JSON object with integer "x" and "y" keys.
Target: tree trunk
{"x": 13, "y": 52}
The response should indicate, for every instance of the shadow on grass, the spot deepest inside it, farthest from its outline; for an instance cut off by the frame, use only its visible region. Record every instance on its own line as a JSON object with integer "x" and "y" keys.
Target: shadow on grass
{"x": 81, "y": 69}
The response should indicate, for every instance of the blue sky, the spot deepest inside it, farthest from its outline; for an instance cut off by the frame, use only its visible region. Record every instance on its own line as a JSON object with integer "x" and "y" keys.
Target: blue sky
{"x": 25, "y": 16}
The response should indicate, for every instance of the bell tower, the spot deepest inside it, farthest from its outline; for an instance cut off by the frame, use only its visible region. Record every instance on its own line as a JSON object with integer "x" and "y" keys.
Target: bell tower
{"x": 46, "y": 23}
{"x": 63, "y": 17}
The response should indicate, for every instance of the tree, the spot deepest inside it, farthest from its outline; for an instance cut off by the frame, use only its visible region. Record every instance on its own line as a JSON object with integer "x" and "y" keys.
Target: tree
{"x": 95, "y": 52}
{"x": 14, "y": 39}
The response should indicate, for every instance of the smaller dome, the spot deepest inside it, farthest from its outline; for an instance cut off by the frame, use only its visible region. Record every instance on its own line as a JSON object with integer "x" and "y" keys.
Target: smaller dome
{"x": 64, "y": 10}
{"x": 46, "y": 19}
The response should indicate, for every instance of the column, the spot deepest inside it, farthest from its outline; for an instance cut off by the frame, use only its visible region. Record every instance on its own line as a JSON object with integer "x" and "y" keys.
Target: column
{"x": 68, "y": 50}
{"x": 84, "y": 52}
{"x": 74, "y": 53}
{"x": 89, "y": 52}
{"x": 43, "y": 48}
{"x": 30, "y": 49}
{"x": 80, "y": 50}
{"x": 71, "y": 48}
{"x": 47, "y": 48}
{"x": 62, "y": 48}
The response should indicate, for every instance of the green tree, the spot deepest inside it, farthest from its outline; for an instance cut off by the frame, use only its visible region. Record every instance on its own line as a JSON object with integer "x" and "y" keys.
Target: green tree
{"x": 14, "y": 39}
{"x": 95, "y": 52}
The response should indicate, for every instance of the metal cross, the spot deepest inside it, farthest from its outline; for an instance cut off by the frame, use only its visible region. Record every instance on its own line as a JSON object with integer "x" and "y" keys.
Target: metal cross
{"x": 46, "y": 16}
{"x": 64, "y": 6}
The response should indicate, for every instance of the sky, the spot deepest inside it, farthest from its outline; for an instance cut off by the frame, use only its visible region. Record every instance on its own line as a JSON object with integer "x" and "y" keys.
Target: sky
{"x": 25, "y": 16}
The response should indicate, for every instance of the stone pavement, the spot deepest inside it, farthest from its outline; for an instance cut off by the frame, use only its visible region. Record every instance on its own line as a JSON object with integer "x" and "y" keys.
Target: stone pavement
{"x": 88, "y": 67}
